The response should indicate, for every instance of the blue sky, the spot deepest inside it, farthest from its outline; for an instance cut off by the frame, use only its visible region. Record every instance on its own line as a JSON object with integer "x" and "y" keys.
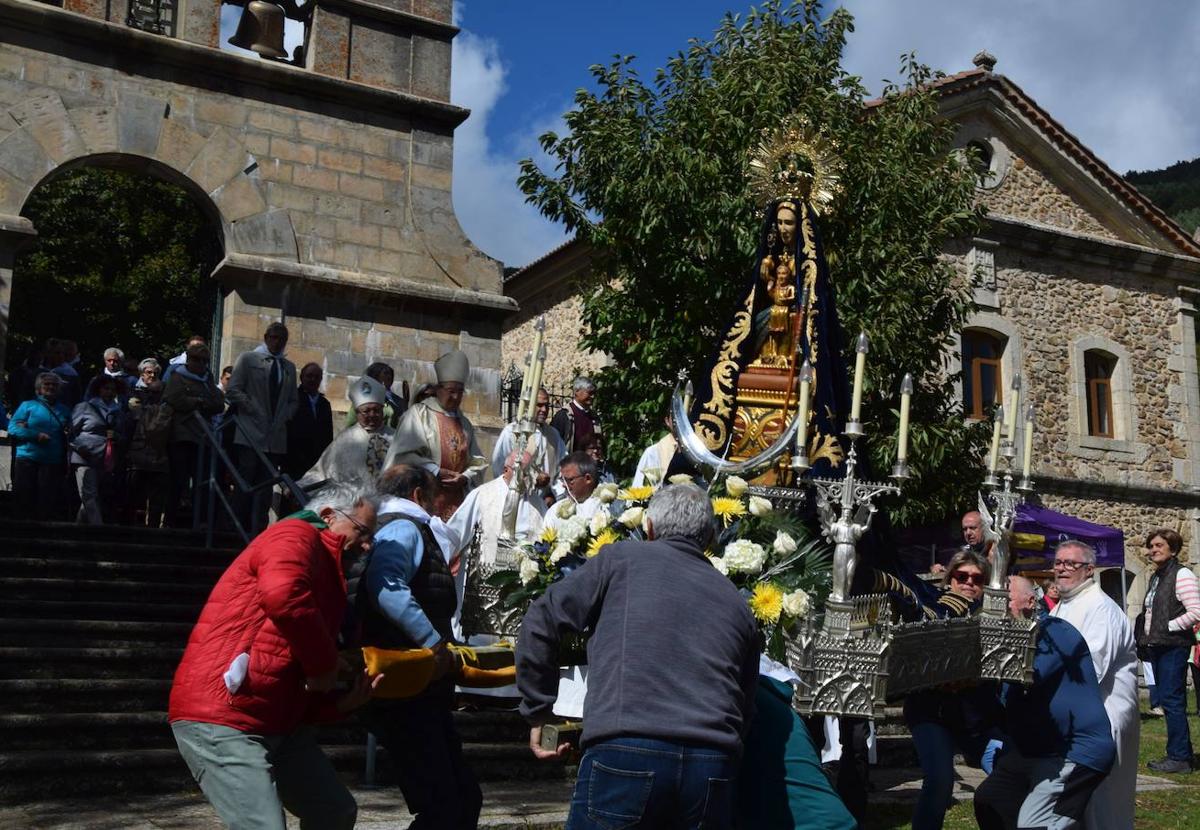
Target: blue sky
{"x": 1121, "y": 76}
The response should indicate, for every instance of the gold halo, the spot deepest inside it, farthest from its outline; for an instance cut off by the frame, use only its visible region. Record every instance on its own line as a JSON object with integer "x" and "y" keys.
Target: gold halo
{"x": 795, "y": 162}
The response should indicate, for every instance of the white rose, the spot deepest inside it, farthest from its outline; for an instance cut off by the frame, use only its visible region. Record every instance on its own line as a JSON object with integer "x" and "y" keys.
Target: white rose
{"x": 528, "y": 570}
{"x": 558, "y": 552}
{"x": 744, "y": 556}
{"x": 599, "y": 521}
{"x": 759, "y": 506}
{"x": 784, "y": 544}
{"x": 680, "y": 478}
{"x": 606, "y": 493}
{"x": 632, "y": 517}
{"x": 652, "y": 475}
{"x": 736, "y": 486}
{"x": 719, "y": 564}
{"x": 566, "y": 509}
{"x": 795, "y": 603}
{"x": 571, "y": 531}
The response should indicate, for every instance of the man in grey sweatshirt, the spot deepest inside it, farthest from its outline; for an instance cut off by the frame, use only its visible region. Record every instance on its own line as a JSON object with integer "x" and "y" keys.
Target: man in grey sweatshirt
{"x": 673, "y": 658}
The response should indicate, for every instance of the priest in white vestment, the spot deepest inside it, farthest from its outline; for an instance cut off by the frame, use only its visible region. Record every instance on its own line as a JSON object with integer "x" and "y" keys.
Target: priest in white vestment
{"x": 357, "y": 454}
{"x": 434, "y": 434}
{"x": 545, "y": 445}
{"x": 656, "y": 460}
{"x": 484, "y": 508}
{"x": 1105, "y": 627}
{"x": 577, "y": 475}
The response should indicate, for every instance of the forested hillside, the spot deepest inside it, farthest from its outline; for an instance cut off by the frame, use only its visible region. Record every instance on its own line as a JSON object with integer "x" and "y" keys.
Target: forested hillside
{"x": 1175, "y": 189}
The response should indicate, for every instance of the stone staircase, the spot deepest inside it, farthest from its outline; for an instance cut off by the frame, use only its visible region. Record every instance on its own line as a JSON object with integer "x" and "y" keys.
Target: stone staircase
{"x": 92, "y": 624}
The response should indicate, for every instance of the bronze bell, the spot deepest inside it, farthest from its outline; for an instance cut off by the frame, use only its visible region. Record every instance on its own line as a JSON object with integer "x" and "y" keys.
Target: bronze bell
{"x": 260, "y": 29}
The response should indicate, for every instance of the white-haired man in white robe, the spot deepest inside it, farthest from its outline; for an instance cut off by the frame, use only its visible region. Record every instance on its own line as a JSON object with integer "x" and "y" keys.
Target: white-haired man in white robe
{"x": 544, "y": 445}
{"x": 357, "y": 454}
{"x": 1105, "y": 627}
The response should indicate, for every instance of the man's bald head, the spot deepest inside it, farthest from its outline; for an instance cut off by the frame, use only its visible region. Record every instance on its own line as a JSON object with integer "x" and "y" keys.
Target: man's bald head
{"x": 1022, "y": 597}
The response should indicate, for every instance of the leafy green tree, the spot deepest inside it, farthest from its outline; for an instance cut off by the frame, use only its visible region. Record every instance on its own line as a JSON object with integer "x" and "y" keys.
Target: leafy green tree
{"x": 654, "y": 177}
{"x": 121, "y": 259}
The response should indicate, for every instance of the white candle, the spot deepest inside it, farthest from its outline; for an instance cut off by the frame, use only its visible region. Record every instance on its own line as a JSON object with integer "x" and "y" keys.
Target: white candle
{"x": 860, "y": 362}
{"x": 527, "y": 401}
{"x": 994, "y": 457}
{"x": 806, "y": 376}
{"x": 906, "y": 390}
{"x": 1029, "y": 416}
{"x": 1014, "y": 407}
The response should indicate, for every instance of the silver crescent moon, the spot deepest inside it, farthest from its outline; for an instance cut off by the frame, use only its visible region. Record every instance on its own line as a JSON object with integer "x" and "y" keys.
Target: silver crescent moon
{"x": 701, "y": 456}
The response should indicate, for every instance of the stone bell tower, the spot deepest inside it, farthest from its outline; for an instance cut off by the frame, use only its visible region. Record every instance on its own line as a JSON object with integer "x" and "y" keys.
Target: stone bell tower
{"x": 327, "y": 173}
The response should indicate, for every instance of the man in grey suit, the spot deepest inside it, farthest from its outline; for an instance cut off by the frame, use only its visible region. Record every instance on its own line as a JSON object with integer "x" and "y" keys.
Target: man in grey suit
{"x": 263, "y": 391}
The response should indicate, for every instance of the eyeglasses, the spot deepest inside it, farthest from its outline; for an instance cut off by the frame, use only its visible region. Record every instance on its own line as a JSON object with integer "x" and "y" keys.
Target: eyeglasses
{"x": 569, "y": 480}
{"x": 363, "y": 530}
{"x": 1069, "y": 564}
{"x": 966, "y": 578}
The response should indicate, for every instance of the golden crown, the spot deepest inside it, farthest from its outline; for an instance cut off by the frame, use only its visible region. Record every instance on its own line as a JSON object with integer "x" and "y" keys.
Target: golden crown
{"x": 796, "y": 162}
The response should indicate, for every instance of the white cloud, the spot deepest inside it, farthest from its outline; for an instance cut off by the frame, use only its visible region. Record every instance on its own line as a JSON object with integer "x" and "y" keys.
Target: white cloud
{"x": 489, "y": 206}
{"x": 1121, "y": 76}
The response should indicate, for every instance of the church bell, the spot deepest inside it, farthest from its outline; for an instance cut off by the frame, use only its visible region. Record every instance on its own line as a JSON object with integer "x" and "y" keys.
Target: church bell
{"x": 261, "y": 29}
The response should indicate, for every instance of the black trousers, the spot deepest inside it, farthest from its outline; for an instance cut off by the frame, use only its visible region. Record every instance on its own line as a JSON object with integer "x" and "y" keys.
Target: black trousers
{"x": 438, "y": 786}
{"x": 254, "y": 509}
{"x": 40, "y": 490}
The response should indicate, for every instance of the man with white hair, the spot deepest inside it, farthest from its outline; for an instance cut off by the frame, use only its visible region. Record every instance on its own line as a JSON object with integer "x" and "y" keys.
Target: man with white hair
{"x": 576, "y": 422}
{"x": 114, "y": 367}
{"x": 436, "y": 436}
{"x": 357, "y": 454}
{"x": 1105, "y": 627}
{"x": 672, "y": 689}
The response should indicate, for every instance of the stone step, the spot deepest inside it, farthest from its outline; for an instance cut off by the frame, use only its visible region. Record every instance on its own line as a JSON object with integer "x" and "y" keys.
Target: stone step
{"x": 88, "y": 663}
{"x": 30, "y": 633}
{"x": 53, "y": 588}
{"x": 161, "y": 552}
{"x": 52, "y": 532}
{"x": 90, "y": 568}
{"x": 95, "y": 609}
{"x": 116, "y": 695}
{"x": 34, "y": 774}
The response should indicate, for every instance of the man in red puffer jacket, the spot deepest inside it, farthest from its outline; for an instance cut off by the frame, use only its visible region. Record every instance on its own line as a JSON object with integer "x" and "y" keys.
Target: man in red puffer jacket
{"x": 260, "y": 667}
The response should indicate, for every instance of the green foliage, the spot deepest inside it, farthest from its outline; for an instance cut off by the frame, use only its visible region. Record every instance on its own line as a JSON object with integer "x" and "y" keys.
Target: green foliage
{"x": 654, "y": 177}
{"x": 121, "y": 259}
{"x": 1175, "y": 189}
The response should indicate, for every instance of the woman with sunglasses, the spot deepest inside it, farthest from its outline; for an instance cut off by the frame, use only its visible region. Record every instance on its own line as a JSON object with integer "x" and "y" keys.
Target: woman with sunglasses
{"x": 942, "y": 721}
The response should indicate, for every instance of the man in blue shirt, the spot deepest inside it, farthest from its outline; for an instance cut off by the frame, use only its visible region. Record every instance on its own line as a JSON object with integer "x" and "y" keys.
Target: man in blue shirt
{"x": 1058, "y": 743}
{"x": 406, "y": 598}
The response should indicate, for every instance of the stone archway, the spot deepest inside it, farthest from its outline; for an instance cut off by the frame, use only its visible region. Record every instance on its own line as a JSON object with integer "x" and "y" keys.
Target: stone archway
{"x": 47, "y": 135}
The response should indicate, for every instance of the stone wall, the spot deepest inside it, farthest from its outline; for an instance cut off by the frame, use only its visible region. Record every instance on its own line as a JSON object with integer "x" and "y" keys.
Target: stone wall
{"x": 333, "y": 197}
{"x": 1028, "y": 192}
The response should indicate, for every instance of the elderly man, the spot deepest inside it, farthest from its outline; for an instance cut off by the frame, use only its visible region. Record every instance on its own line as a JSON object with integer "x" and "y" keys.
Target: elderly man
{"x": 114, "y": 367}
{"x": 435, "y": 435}
{"x": 578, "y": 478}
{"x": 311, "y": 429}
{"x": 406, "y": 598}
{"x": 1172, "y": 609}
{"x": 1059, "y": 744}
{"x": 357, "y": 454}
{"x": 544, "y": 444}
{"x": 576, "y": 422}
{"x": 260, "y": 668}
{"x": 1109, "y": 636}
{"x": 263, "y": 388}
{"x": 672, "y": 689}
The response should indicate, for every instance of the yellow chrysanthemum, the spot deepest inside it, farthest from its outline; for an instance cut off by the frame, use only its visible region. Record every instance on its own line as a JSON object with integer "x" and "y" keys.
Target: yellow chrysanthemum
{"x": 549, "y": 535}
{"x": 767, "y": 602}
{"x": 636, "y": 493}
{"x": 604, "y": 537}
{"x": 728, "y": 509}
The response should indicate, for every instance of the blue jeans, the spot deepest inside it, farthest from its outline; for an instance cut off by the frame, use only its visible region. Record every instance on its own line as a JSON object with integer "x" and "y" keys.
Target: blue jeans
{"x": 647, "y": 783}
{"x": 935, "y": 751}
{"x": 1170, "y": 676}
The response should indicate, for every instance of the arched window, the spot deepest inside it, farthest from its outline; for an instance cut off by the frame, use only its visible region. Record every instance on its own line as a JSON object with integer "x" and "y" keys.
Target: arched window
{"x": 1098, "y": 368}
{"x": 981, "y": 159}
{"x": 982, "y": 352}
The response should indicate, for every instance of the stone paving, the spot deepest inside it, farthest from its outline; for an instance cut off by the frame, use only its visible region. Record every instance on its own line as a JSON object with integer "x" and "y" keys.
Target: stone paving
{"x": 537, "y": 805}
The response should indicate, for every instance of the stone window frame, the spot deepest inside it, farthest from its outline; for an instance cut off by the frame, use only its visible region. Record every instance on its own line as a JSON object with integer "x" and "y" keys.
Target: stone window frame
{"x": 1001, "y": 160}
{"x": 1010, "y": 363}
{"x": 1124, "y": 416}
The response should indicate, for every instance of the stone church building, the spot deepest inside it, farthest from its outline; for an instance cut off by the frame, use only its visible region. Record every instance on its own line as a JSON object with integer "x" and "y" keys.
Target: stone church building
{"x": 328, "y": 178}
{"x": 1082, "y": 286}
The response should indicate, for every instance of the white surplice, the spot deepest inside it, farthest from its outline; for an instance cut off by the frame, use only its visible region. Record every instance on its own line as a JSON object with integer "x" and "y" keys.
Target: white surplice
{"x": 545, "y": 445}
{"x": 418, "y": 442}
{"x": 656, "y": 459}
{"x": 1109, "y": 637}
{"x": 584, "y": 510}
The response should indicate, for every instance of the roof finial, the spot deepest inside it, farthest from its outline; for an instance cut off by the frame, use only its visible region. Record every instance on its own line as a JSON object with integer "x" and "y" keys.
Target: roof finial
{"x": 985, "y": 60}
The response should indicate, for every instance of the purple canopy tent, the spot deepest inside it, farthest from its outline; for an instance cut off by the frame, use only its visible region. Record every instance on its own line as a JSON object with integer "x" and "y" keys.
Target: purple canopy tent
{"x": 1037, "y": 530}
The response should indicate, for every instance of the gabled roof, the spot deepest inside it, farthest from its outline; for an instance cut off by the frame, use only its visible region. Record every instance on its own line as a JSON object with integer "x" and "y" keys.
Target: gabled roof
{"x": 982, "y": 77}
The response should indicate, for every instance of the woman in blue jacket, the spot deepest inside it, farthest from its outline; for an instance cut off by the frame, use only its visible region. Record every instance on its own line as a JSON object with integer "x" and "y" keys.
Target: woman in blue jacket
{"x": 40, "y": 426}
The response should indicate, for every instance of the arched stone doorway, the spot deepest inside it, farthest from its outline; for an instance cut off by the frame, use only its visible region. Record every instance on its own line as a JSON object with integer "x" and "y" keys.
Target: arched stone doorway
{"x": 123, "y": 257}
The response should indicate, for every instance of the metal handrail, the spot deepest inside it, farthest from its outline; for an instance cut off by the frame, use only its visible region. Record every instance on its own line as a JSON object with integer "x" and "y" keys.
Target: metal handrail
{"x": 216, "y": 492}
